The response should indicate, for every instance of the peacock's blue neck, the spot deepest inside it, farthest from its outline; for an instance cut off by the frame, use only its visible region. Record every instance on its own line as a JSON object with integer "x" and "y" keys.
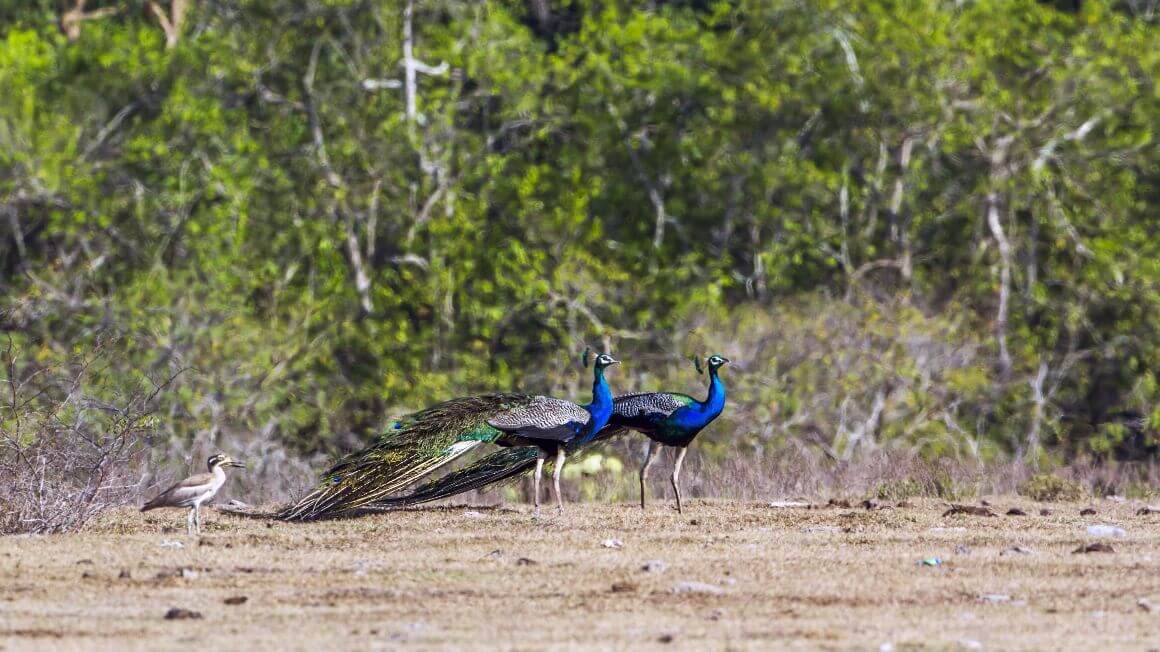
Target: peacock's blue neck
{"x": 600, "y": 409}
{"x": 715, "y": 401}
{"x": 684, "y": 424}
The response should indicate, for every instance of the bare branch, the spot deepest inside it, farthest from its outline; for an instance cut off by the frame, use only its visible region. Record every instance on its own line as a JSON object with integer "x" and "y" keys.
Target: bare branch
{"x": 1004, "y": 279}
{"x": 108, "y": 129}
{"x": 1079, "y": 133}
{"x": 172, "y": 22}
{"x": 70, "y": 21}
{"x": 1039, "y": 401}
{"x": 362, "y": 281}
{"x": 900, "y": 230}
{"x": 315, "y": 124}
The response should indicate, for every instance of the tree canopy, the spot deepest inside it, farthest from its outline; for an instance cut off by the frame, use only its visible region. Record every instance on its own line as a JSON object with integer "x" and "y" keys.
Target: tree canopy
{"x": 927, "y": 225}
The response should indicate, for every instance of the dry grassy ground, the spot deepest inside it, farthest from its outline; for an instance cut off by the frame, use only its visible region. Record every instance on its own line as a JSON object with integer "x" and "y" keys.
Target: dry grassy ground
{"x": 459, "y": 577}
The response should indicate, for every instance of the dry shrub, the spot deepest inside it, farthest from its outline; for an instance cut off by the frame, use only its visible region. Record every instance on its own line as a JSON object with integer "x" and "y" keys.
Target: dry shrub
{"x": 1133, "y": 479}
{"x": 799, "y": 472}
{"x": 1050, "y": 488}
{"x": 66, "y": 454}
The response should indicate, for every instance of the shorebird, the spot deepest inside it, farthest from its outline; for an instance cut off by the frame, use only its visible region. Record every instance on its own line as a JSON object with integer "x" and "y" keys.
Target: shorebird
{"x": 195, "y": 490}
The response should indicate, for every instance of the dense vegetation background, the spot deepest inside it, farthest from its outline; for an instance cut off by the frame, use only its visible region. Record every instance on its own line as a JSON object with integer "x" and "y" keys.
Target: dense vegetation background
{"x": 924, "y": 230}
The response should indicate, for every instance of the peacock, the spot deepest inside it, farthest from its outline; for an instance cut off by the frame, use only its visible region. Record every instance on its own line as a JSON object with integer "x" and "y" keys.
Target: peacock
{"x": 671, "y": 420}
{"x": 420, "y": 443}
{"x": 668, "y": 419}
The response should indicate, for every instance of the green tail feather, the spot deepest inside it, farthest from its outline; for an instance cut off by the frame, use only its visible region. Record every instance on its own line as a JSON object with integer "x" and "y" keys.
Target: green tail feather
{"x": 359, "y": 486}
{"x": 498, "y": 467}
{"x": 412, "y": 448}
{"x": 502, "y": 465}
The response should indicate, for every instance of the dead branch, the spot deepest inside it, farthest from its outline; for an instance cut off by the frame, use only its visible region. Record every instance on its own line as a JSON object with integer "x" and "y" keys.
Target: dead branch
{"x": 70, "y": 21}
{"x": 362, "y": 281}
{"x": 900, "y": 229}
{"x": 411, "y": 65}
{"x": 315, "y": 124}
{"x": 108, "y": 129}
{"x": 172, "y": 22}
{"x": 1004, "y": 279}
{"x": 1039, "y": 400}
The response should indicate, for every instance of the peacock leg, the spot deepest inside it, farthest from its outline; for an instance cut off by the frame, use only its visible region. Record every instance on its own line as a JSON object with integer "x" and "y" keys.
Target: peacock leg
{"x": 677, "y": 476}
{"x": 653, "y": 450}
{"x": 556, "y": 478}
{"x": 536, "y": 483}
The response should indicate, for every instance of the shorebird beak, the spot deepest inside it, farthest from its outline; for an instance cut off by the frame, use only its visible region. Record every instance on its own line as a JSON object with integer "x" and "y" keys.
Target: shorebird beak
{"x": 235, "y": 463}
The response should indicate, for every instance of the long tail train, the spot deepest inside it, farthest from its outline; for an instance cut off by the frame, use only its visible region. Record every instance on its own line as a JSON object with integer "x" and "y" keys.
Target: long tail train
{"x": 499, "y": 467}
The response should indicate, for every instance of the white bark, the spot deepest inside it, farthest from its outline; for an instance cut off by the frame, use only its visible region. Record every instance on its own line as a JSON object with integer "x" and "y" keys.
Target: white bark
{"x": 996, "y": 227}
{"x": 409, "y": 59}
{"x": 1040, "y": 400}
{"x": 411, "y": 65}
{"x": 900, "y": 229}
{"x": 362, "y": 281}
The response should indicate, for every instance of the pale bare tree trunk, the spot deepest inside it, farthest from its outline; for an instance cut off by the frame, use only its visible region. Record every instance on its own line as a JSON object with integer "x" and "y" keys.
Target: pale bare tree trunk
{"x": 436, "y": 171}
{"x": 172, "y": 22}
{"x": 362, "y": 281}
{"x": 901, "y": 229}
{"x": 996, "y": 226}
{"x": 70, "y": 21}
{"x": 409, "y": 61}
{"x": 654, "y": 192}
{"x": 1040, "y": 400}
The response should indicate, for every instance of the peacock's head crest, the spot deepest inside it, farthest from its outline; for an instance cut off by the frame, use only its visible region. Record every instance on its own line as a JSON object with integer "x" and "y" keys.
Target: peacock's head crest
{"x": 716, "y": 362}
{"x": 604, "y": 360}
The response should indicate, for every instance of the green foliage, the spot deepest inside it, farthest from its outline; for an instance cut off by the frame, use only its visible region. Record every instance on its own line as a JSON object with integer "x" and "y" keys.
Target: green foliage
{"x": 1049, "y": 488}
{"x": 806, "y": 185}
{"x": 899, "y": 490}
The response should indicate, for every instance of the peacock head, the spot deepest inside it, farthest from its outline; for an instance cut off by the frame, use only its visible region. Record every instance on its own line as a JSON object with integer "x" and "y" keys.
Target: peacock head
{"x": 716, "y": 362}
{"x": 223, "y": 460}
{"x": 604, "y": 360}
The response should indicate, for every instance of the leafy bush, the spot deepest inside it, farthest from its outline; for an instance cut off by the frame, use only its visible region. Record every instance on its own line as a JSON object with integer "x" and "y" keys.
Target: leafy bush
{"x": 1048, "y": 488}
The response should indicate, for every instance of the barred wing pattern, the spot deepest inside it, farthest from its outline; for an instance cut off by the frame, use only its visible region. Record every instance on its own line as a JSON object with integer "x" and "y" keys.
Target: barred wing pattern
{"x": 647, "y": 404}
{"x": 542, "y": 417}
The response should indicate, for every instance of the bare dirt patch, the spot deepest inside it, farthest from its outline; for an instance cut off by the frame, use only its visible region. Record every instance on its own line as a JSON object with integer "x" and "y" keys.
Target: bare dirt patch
{"x": 732, "y": 575}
